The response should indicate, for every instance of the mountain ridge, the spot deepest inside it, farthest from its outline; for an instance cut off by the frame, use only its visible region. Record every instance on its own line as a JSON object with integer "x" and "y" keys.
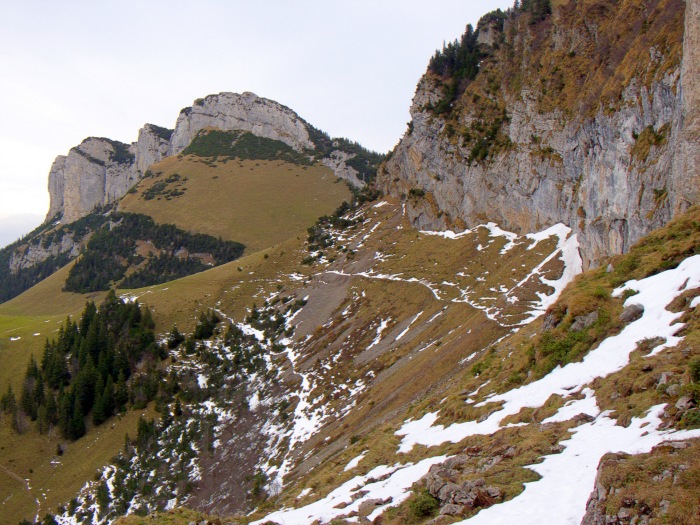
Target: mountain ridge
{"x": 407, "y": 359}
{"x": 100, "y": 171}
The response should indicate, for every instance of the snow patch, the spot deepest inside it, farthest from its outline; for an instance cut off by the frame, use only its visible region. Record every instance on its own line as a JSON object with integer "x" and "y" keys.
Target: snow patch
{"x": 612, "y": 355}
{"x": 355, "y": 461}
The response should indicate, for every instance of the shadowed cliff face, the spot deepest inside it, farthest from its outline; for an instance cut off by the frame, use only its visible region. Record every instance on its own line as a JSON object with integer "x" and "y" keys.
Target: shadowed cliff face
{"x": 585, "y": 118}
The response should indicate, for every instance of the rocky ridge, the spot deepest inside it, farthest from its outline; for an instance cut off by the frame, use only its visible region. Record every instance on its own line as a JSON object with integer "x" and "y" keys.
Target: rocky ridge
{"x": 612, "y": 174}
{"x": 100, "y": 171}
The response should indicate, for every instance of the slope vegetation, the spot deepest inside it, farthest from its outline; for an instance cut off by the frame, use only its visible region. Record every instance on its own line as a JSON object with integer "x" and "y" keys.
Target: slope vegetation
{"x": 259, "y": 203}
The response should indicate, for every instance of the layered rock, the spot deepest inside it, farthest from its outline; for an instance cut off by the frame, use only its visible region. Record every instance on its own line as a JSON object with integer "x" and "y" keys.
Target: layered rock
{"x": 686, "y": 168}
{"x": 241, "y": 112}
{"x": 33, "y": 254}
{"x": 152, "y": 146}
{"x": 588, "y": 169}
{"x": 337, "y": 161}
{"x": 100, "y": 171}
{"x": 96, "y": 172}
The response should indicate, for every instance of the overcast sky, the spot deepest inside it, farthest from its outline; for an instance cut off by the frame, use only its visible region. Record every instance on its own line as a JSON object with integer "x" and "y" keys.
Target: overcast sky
{"x": 73, "y": 69}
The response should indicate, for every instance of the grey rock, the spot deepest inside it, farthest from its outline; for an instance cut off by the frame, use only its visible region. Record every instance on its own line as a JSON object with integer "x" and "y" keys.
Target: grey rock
{"x": 95, "y": 174}
{"x": 337, "y": 161}
{"x": 368, "y": 506}
{"x": 591, "y": 182}
{"x": 664, "y": 378}
{"x": 624, "y": 515}
{"x": 685, "y": 403}
{"x": 452, "y": 510}
{"x": 549, "y": 322}
{"x": 584, "y": 321}
{"x": 33, "y": 254}
{"x": 674, "y": 389}
{"x": 631, "y": 313}
{"x": 240, "y": 112}
{"x": 456, "y": 461}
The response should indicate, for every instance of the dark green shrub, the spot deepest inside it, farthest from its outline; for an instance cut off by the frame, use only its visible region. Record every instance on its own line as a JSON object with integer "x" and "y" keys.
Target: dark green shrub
{"x": 423, "y": 505}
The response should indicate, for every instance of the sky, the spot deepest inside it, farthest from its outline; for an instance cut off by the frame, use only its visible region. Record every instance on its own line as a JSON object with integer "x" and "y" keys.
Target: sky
{"x": 73, "y": 69}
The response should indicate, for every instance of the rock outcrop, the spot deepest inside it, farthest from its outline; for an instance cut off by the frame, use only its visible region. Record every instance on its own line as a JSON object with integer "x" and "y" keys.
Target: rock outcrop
{"x": 97, "y": 172}
{"x": 607, "y": 166}
{"x": 100, "y": 171}
{"x": 686, "y": 168}
{"x": 241, "y": 112}
{"x": 152, "y": 146}
{"x": 33, "y": 254}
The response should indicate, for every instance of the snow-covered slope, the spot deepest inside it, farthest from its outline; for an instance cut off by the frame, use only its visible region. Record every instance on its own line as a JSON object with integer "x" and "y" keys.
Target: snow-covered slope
{"x": 396, "y": 367}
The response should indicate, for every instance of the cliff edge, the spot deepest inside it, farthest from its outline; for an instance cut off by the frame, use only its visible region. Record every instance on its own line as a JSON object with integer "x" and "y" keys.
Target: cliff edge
{"x": 584, "y": 114}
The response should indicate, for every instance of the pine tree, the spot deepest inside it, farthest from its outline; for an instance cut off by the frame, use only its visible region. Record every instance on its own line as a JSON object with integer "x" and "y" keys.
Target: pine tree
{"x": 121, "y": 395}
{"x": 98, "y": 412}
{"x": 27, "y": 403}
{"x": 109, "y": 397}
{"x": 51, "y": 409}
{"x": 77, "y": 422}
{"x": 66, "y": 400}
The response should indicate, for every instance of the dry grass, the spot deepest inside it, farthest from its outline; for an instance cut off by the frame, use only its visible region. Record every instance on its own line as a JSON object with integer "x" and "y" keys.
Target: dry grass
{"x": 259, "y": 203}
{"x": 54, "y": 480}
{"x": 641, "y": 483}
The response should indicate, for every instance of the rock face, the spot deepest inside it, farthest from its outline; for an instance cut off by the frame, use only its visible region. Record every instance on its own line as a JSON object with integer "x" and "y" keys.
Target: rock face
{"x": 37, "y": 253}
{"x": 686, "y": 168}
{"x": 611, "y": 174}
{"x": 97, "y": 172}
{"x": 337, "y": 161}
{"x": 152, "y": 146}
{"x": 100, "y": 171}
{"x": 244, "y": 112}
{"x": 457, "y": 498}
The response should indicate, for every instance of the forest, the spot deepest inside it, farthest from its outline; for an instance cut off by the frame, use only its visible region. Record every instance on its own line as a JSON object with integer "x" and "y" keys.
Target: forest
{"x": 94, "y": 368}
{"x": 172, "y": 253}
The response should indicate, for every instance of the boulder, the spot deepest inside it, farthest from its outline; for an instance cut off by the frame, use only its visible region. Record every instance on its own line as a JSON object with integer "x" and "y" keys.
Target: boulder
{"x": 631, "y": 313}
{"x": 584, "y": 321}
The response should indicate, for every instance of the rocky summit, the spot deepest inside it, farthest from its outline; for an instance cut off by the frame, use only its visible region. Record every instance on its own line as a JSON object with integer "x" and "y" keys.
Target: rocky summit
{"x": 245, "y": 321}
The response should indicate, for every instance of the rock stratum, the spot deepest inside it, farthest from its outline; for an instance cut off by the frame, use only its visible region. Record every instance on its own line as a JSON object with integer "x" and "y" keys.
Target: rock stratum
{"x": 100, "y": 171}
{"x": 586, "y": 117}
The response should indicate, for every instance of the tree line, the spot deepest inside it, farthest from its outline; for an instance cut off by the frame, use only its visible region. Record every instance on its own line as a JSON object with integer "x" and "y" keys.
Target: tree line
{"x": 93, "y": 369}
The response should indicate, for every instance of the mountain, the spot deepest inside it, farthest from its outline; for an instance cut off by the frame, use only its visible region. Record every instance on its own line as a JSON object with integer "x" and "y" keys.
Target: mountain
{"x": 501, "y": 326}
{"x": 100, "y": 171}
{"x": 587, "y": 116}
{"x": 89, "y": 183}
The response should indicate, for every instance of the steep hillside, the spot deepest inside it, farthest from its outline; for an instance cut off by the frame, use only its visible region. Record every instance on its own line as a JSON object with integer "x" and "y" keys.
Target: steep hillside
{"x": 397, "y": 357}
{"x": 259, "y": 203}
{"x": 389, "y": 358}
{"x": 259, "y": 195}
{"x": 581, "y": 116}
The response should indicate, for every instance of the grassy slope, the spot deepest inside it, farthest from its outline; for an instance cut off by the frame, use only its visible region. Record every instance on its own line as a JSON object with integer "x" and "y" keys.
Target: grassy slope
{"x": 259, "y": 203}
{"x": 410, "y": 382}
{"x": 423, "y": 385}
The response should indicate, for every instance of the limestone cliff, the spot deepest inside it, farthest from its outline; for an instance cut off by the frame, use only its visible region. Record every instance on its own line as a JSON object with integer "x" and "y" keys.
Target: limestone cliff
{"x": 94, "y": 173}
{"x": 100, "y": 171}
{"x": 578, "y": 118}
{"x": 244, "y": 112}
